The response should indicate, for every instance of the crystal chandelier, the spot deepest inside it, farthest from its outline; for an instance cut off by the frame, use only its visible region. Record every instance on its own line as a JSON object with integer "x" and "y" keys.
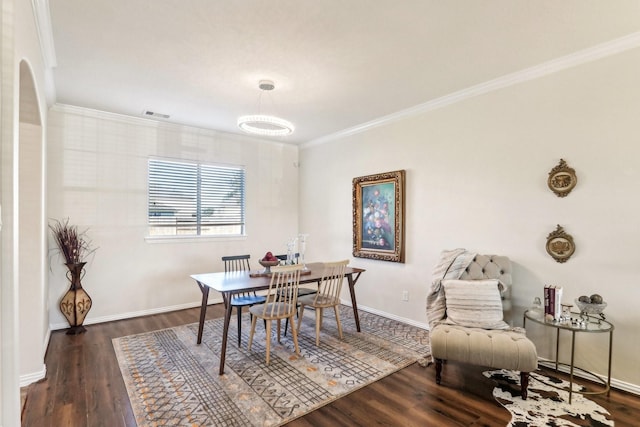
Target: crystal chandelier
{"x": 262, "y": 124}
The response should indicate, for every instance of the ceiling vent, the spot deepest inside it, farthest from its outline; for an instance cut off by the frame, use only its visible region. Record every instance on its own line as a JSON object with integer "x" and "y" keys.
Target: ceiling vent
{"x": 148, "y": 113}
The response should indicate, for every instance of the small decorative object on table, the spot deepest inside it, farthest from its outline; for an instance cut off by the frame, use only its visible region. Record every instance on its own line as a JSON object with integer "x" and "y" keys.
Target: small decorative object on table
{"x": 75, "y": 247}
{"x": 536, "y": 308}
{"x": 565, "y": 316}
{"x": 268, "y": 261}
{"x": 302, "y": 248}
{"x": 593, "y": 305}
{"x": 291, "y": 244}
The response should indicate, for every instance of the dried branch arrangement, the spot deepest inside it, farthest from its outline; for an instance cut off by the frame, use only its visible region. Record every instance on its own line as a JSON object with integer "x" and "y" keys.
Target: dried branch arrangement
{"x": 73, "y": 244}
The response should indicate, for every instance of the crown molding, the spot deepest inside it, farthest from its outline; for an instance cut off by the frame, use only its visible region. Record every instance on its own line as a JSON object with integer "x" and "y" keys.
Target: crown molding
{"x": 584, "y": 56}
{"x": 42, "y": 16}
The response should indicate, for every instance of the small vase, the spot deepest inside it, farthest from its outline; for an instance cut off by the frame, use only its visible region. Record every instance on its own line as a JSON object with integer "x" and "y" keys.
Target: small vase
{"x": 76, "y": 302}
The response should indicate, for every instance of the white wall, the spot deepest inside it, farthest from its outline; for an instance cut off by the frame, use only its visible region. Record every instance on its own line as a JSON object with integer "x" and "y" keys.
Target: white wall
{"x": 21, "y": 354}
{"x": 476, "y": 178}
{"x": 97, "y": 177}
{"x": 34, "y": 326}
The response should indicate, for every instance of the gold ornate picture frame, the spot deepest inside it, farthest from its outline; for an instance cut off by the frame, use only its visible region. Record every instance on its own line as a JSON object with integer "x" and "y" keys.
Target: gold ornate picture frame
{"x": 562, "y": 179}
{"x": 378, "y": 216}
{"x": 560, "y": 245}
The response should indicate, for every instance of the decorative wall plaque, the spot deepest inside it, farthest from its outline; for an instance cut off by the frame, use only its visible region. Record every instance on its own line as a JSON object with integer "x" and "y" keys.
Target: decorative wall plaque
{"x": 560, "y": 245}
{"x": 562, "y": 179}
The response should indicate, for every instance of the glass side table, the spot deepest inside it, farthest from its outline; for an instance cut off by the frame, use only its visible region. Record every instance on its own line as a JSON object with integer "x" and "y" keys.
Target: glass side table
{"x": 583, "y": 324}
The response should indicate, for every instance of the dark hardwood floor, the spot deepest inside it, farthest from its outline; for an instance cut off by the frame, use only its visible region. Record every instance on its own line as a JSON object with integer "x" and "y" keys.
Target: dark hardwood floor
{"x": 84, "y": 387}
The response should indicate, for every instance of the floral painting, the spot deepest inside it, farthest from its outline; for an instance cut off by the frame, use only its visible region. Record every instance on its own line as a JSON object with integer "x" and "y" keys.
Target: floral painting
{"x": 378, "y": 205}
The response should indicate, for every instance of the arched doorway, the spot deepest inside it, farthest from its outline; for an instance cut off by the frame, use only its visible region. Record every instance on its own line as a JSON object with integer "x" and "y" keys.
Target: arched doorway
{"x": 32, "y": 258}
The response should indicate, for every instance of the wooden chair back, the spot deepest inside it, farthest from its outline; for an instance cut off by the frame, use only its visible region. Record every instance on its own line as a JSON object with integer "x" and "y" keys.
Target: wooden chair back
{"x": 283, "y": 292}
{"x": 331, "y": 283}
{"x": 236, "y": 263}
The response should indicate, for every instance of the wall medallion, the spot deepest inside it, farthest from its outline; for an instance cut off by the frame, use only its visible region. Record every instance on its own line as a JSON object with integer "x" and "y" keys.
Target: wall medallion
{"x": 560, "y": 245}
{"x": 562, "y": 179}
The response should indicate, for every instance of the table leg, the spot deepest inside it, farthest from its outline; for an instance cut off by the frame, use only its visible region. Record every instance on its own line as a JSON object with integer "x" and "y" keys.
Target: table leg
{"x": 203, "y": 309}
{"x": 557, "y": 347}
{"x": 609, "y": 369}
{"x": 573, "y": 345}
{"x": 226, "y": 297}
{"x": 352, "y": 284}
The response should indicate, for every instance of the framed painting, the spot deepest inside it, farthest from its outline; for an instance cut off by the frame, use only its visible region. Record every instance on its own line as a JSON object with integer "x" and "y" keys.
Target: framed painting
{"x": 378, "y": 216}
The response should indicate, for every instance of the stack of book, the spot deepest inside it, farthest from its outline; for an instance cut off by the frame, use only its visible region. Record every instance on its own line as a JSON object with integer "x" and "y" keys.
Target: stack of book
{"x": 552, "y": 301}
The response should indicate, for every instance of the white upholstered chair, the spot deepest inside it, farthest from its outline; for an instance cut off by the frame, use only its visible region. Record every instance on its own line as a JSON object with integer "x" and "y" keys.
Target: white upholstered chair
{"x": 465, "y": 308}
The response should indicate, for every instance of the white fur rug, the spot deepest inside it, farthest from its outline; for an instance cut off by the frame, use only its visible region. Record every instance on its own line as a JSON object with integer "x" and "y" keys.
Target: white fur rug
{"x": 546, "y": 405}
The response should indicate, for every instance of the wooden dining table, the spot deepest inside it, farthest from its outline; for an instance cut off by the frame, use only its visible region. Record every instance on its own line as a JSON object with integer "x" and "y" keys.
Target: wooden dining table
{"x": 234, "y": 282}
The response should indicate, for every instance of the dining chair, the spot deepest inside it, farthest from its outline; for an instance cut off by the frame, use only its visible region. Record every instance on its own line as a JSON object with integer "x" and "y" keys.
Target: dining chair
{"x": 280, "y": 304}
{"x": 328, "y": 295}
{"x": 244, "y": 299}
{"x": 301, "y": 291}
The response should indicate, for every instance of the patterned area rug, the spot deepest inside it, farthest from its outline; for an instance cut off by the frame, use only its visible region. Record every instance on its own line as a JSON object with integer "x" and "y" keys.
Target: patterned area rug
{"x": 546, "y": 405}
{"x": 171, "y": 381}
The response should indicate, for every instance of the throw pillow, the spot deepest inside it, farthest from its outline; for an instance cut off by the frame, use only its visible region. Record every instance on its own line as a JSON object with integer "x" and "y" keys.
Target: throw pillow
{"x": 474, "y": 303}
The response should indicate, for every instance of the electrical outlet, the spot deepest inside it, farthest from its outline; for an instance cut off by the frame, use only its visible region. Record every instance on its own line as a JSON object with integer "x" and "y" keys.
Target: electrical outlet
{"x": 405, "y": 295}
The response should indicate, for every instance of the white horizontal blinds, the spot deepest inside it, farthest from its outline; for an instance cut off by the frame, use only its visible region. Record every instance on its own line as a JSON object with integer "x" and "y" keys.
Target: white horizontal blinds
{"x": 173, "y": 194}
{"x": 221, "y": 196}
{"x": 195, "y": 199}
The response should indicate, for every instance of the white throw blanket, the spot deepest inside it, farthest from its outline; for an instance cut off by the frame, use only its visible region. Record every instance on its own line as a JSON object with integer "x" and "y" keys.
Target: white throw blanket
{"x": 451, "y": 266}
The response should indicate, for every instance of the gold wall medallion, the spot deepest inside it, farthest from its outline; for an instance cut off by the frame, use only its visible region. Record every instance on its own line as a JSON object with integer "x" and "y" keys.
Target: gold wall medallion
{"x": 562, "y": 179}
{"x": 560, "y": 245}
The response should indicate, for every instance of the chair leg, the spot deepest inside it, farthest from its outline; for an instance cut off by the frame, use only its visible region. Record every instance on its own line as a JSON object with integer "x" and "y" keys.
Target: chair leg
{"x": 253, "y": 329}
{"x": 294, "y": 334}
{"x": 286, "y": 324}
{"x": 268, "y": 339}
{"x": 335, "y": 308}
{"x": 438, "y": 371}
{"x": 300, "y": 316}
{"x": 239, "y": 313}
{"x": 318, "y": 325}
{"x": 278, "y": 329}
{"x": 524, "y": 384}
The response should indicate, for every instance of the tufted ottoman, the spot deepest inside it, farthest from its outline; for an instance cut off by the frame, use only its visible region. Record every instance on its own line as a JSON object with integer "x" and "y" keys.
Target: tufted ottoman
{"x": 504, "y": 349}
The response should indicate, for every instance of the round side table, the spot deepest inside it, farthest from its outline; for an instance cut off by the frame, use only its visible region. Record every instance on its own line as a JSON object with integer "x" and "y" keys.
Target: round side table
{"x": 590, "y": 324}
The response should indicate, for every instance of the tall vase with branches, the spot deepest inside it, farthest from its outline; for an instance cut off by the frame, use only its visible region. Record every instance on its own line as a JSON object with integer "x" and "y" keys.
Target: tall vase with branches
{"x": 75, "y": 247}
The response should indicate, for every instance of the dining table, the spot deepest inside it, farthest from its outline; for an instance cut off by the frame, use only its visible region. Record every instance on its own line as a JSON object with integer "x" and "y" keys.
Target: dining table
{"x": 234, "y": 282}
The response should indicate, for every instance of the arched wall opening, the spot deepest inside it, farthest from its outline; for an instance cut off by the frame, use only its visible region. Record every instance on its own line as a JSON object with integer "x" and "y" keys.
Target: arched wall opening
{"x": 32, "y": 254}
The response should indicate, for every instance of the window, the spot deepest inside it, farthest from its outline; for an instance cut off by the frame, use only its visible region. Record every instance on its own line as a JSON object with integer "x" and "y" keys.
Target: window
{"x": 194, "y": 199}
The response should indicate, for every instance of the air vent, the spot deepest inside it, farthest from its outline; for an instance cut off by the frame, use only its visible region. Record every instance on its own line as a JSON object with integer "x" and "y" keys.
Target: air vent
{"x": 148, "y": 113}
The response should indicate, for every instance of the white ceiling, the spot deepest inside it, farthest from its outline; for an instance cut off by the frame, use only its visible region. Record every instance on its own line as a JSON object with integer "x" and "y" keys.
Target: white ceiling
{"x": 336, "y": 63}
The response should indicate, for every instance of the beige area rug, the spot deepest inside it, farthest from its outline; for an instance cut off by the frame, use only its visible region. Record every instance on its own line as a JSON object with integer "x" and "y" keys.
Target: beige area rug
{"x": 171, "y": 381}
{"x": 546, "y": 405}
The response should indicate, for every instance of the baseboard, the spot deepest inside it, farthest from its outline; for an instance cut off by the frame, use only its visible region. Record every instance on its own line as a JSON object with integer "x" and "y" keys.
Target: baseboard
{"x": 31, "y": 378}
{"x": 132, "y": 314}
{"x": 411, "y": 322}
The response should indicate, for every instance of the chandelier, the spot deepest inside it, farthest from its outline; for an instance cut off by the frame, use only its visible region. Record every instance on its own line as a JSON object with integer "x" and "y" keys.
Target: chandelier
{"x": 262, "y": 124}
